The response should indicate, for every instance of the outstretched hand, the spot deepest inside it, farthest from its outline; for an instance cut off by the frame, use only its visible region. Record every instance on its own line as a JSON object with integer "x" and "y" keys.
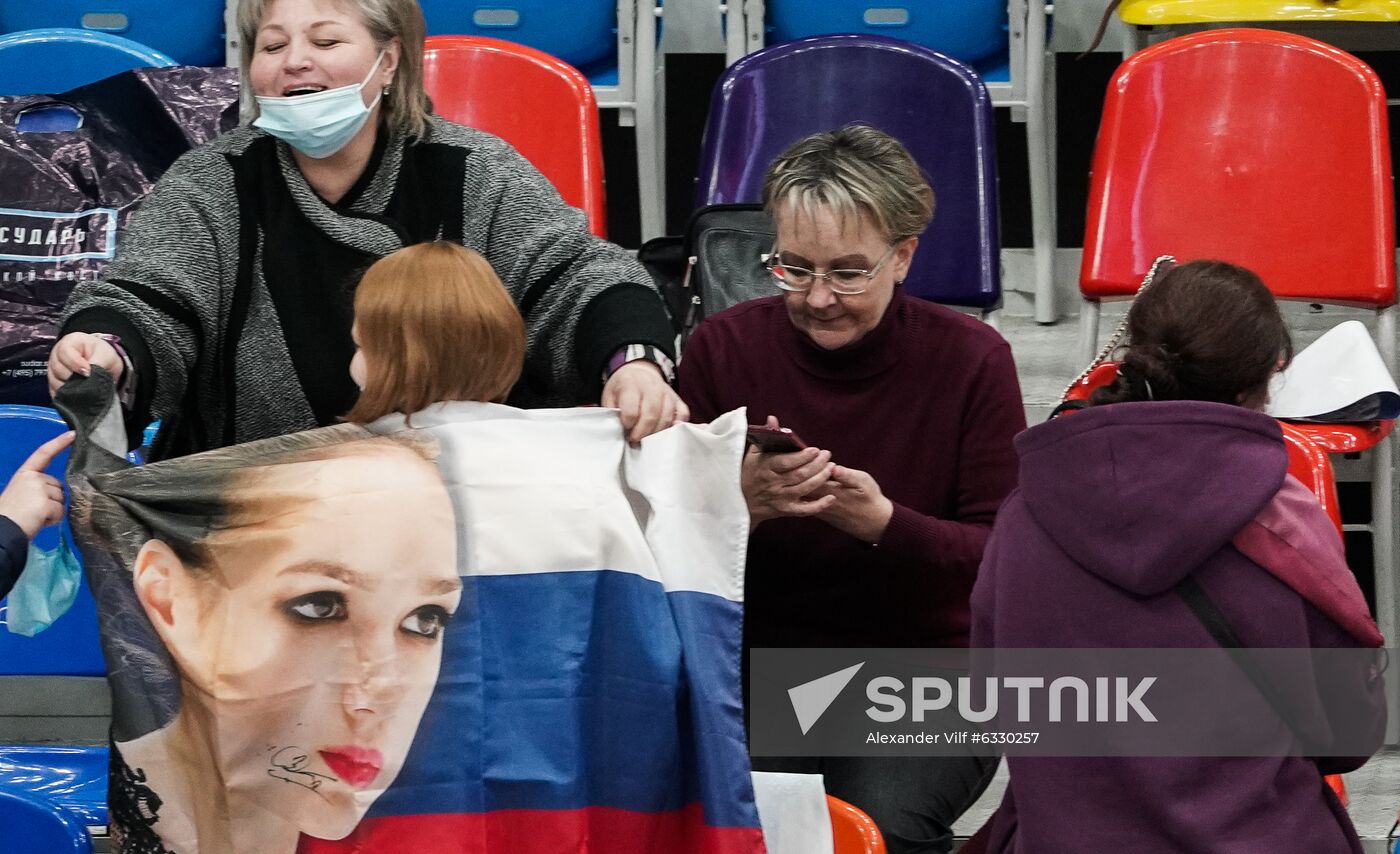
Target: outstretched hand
{"x": 32, "y": 499}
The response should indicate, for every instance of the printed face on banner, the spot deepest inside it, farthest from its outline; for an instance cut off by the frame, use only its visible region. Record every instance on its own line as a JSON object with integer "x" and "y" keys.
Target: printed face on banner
{"x": 307, "y": 627}
{"x": 365, "y": 639}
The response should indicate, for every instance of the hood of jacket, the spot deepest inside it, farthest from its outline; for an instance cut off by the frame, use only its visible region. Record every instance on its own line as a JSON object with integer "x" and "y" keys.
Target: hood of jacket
{"x": 1141, "y": 494}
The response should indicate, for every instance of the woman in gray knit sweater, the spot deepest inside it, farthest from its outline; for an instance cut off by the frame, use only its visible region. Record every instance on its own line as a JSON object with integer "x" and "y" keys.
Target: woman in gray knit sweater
{"x": 227, "y": 311}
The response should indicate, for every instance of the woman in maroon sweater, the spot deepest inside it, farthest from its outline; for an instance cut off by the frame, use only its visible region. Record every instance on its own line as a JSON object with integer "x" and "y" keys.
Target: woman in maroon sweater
{"x": 872, "y": 536}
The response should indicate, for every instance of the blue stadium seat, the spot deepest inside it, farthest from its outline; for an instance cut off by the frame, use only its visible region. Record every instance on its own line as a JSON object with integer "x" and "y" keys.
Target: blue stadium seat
{"x": 34, "y": 824}
{"x": 72, "y": 778}
{"x": 47, "y": 777}
{"x": 191, "y": 32}
{"x": 972, "y": 32}
{"x": 69, "y": 647}
{"x": 42, "y": 62}
{"x": 583, "y": 34}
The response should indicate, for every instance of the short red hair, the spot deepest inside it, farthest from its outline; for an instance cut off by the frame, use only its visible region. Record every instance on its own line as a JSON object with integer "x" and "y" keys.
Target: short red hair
{"x": 434, "y": 323}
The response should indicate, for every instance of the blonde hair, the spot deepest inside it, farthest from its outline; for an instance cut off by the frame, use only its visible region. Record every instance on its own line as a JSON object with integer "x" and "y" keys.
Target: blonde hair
{"x": 854, "y": 170}
{"x": 406, "y": 104}
{"x": 435, "y": 323}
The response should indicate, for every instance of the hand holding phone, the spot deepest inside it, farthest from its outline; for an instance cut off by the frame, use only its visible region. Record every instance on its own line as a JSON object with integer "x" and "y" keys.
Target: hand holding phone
{"x": 775, "y": 440}
{"x": 782, "y": 476}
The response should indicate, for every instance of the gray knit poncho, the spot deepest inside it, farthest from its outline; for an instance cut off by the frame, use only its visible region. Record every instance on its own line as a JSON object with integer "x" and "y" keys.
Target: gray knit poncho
{"x": 232, "y": 289}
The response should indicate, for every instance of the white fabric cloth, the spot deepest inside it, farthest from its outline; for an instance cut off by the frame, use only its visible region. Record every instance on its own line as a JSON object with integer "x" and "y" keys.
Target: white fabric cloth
{"x": 793, "y": 813}
{"x": 1339, "y": 377}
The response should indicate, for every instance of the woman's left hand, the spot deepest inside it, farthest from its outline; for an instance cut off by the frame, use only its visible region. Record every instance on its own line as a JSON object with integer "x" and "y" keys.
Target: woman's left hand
{"x": 644, "y": 400}
{"x": 861, "y": 509}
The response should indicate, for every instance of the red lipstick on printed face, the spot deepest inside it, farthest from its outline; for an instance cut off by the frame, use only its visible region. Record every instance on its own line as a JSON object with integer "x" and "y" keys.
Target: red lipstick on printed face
{"x": 357, "y": 766}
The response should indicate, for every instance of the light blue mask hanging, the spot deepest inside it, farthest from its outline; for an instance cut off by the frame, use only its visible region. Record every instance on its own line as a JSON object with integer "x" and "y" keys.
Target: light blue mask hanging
{"x": 45, "y": 590}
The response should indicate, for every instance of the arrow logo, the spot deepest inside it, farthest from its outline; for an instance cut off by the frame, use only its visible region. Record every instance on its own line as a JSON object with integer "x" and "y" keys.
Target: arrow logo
{"x": 810, "y": 700}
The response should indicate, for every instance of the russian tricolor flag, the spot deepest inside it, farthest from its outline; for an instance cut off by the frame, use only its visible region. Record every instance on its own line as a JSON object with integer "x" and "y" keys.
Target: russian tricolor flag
{"x": 588, "y": 700}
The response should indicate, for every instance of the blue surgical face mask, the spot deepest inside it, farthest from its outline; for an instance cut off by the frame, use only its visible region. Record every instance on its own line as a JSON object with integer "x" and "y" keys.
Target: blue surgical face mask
{"x": 45, "y": 590}
{"x": 322, "y": 123}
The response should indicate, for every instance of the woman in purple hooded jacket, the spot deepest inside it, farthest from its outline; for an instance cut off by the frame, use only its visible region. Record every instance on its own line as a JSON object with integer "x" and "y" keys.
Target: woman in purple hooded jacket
{"x": 1173, "y": 473}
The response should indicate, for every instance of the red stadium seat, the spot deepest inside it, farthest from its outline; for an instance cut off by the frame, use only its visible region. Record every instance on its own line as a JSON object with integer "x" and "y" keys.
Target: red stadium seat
{"x": 1268, "y": 150}
{"x": 541, "y": 105}
{"x": 1308, "y": 463}
{"x": 1262, "y": 148}
{"x": 1101, "y": 375}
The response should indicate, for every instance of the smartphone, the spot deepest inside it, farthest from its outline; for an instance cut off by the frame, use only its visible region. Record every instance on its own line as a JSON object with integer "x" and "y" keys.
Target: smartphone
{"x": 775, "y": 440}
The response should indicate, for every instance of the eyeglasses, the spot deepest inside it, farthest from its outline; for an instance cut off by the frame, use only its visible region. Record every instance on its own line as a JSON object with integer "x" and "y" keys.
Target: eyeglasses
{"x": 846, "y": 283}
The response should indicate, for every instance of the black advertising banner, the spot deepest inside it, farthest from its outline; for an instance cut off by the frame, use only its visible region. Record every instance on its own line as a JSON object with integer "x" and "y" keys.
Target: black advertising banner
{"x": 66, "y": 195}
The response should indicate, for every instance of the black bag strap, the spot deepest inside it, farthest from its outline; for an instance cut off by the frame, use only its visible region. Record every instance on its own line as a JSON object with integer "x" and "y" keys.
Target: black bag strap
{"x": 1066, "y": 406}
{"x": 1211, "y": 617}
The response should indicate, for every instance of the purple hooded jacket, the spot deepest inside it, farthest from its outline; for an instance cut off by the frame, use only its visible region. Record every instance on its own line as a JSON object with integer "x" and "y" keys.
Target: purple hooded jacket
{"x": 1116, "y": 505}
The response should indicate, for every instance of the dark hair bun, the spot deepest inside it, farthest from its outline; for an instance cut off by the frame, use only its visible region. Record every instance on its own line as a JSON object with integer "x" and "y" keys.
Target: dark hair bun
{"x": 1205, "y": 330}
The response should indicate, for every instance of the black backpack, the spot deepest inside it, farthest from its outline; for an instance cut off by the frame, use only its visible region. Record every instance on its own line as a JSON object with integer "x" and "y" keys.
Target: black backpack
{"x": 717, "y": 264}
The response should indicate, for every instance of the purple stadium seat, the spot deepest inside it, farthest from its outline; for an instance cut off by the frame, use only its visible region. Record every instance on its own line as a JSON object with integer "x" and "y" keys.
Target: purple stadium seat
{"x": 933, "y": 104}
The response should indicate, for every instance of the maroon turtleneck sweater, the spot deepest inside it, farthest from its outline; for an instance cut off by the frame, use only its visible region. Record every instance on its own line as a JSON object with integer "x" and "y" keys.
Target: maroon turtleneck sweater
{"x": 927, "y": 403}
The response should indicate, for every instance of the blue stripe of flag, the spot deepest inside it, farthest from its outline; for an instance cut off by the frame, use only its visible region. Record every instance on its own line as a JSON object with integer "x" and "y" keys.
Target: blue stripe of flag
{"x": 565, "y": 690}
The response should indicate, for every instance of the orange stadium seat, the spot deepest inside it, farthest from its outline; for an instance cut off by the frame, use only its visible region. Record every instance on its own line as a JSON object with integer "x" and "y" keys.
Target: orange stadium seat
{"x": 852, "y": 831}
